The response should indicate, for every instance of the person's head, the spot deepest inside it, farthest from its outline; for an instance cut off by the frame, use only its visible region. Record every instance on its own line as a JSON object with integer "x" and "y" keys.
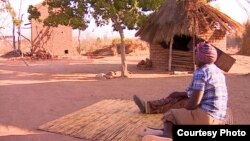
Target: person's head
{"x": 205, "y": 54}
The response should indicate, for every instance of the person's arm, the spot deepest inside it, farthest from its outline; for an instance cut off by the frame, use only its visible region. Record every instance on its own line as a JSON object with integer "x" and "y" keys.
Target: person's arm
{"x": 195, "y": 100}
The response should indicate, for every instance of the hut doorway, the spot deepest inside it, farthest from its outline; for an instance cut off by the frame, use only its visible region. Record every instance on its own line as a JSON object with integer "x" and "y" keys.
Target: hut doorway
{"x": 182, "y": 54}
{"x": 182, "y": 58}
{"x": 181, "y": 43}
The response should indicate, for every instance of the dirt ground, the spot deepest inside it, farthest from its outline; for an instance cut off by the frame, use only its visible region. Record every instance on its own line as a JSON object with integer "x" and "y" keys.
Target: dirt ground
{"x": 46, "y": 90}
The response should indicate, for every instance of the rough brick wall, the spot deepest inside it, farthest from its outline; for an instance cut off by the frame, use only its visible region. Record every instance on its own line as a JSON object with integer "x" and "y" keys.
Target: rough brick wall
{"x": 159, "y": 57}
{"x": 59, "y": 40}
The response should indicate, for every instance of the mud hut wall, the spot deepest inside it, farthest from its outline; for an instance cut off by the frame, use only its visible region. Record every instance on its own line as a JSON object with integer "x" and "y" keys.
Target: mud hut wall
{"x": 159, "y": 57}
{"x": 58, "y": 41}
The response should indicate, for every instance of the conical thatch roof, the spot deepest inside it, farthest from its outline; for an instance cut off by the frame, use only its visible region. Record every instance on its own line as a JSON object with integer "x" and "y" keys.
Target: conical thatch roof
{"x": 187, "y": 17}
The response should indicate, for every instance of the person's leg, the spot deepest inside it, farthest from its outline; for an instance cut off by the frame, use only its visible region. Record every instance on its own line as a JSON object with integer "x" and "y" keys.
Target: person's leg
{"x": 168, "y": 129}
{"x": 190, "y": 117}
{"x": 165, "y": 104}
{"x": 155, "y": 138}
{"x": 153, "y": 106}
{"x": 149, "y": 131}
{"x": 160, "y": 105}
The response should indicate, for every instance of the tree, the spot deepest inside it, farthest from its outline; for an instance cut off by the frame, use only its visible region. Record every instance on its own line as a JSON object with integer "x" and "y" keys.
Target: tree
{"x": 15, "y": 20}
{"x": 19, "y": 26}
{"x": 122, "y": 13}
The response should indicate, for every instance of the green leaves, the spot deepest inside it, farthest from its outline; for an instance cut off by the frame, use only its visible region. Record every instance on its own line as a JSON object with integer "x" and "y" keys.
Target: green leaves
{"x": 126, "y": 13}
{"x": 34, "y": 13}
{"x": 63, "y": 12}
{"x": 150, "y": 5}
{"x": 78, "y": 23}
{"x": 123, "y": 14}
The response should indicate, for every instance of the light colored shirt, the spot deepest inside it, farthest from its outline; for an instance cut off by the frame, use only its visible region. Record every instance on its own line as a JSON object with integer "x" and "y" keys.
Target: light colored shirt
{"x": 211, "y": 80}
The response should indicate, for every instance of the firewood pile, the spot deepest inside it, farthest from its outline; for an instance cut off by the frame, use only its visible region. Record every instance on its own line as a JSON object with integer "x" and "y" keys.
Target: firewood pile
{"x": 41, "y": 54}
{"x": 145, "y": 64}
{"x": 38, "y": 50}
{"x": 14, "y": 53}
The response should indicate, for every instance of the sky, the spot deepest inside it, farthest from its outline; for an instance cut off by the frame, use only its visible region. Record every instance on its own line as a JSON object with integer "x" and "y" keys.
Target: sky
{"x": 230, "y": 7}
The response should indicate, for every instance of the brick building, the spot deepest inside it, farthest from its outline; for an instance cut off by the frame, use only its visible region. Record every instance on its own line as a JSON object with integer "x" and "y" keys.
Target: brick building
{"x": 55, "y": 40}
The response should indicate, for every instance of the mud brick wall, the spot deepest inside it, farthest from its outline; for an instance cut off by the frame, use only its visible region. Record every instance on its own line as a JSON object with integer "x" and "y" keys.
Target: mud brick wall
{"x": 160, "y": 56}
{"x": 58, "y": 41}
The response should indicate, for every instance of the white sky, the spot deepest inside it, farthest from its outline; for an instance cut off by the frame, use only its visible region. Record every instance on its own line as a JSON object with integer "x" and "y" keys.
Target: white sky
{"x": 230, "y": 7}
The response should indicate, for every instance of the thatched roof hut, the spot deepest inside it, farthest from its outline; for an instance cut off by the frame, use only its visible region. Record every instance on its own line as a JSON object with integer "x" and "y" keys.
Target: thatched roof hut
{"x": 187, "y": 18}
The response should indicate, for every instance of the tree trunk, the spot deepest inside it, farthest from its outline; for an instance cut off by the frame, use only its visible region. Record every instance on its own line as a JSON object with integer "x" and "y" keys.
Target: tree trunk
{"x": 124, "y": 67}
{"x": 19, "y": 27}
{"x": 79, "y": 41}
{"x": 124, "y": 71}
{"x": 19, "y": 38}
{"x": 14, "y": 37}
{"x": 117, "y": 26}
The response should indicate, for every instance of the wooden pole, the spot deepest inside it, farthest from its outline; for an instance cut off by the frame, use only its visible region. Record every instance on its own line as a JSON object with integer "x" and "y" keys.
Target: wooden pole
{"x": 194, "y": 38}
{"x": 14, "y": 37}
{"x": 170, "y": 55}
{"x": 194, "y": 43}
{"x": 19, "y": 28}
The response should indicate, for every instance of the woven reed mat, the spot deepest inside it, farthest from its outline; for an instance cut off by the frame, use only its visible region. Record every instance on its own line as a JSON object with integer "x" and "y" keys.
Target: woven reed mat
{"x": 109, "y": 120}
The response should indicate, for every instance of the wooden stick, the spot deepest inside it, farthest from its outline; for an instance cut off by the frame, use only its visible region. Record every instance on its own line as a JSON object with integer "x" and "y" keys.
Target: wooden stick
{"x": 170, "y": 55}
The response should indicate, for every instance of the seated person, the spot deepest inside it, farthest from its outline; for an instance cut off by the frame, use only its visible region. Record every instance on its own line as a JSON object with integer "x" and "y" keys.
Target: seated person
{"x": 206, "y": 96}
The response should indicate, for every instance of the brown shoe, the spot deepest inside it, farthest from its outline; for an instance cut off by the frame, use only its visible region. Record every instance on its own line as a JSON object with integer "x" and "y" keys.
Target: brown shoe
{"x": 139, "y": 103}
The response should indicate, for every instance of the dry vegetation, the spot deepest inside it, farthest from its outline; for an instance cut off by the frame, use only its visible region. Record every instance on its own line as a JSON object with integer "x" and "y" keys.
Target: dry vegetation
{"x": 6, "y": 46}
{"x": 246, "y": 41}
{"x": 110, "y": 47}
{"x": 89, "y": 47}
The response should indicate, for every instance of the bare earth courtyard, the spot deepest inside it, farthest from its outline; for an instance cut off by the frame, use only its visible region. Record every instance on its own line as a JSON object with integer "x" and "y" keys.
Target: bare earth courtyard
{"x": 46, "y": 90}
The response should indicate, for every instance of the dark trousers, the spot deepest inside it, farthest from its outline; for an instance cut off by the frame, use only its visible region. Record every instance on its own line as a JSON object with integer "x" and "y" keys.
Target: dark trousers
{"x": 164, "y": 104}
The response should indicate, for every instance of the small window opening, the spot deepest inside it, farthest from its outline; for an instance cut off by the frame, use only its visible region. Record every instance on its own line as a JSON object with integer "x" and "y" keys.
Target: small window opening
{"x": 66, "y": 51}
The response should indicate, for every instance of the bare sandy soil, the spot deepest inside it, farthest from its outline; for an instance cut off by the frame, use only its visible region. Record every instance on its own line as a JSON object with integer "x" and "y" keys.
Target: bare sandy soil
{"x": 46, "y": 90}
